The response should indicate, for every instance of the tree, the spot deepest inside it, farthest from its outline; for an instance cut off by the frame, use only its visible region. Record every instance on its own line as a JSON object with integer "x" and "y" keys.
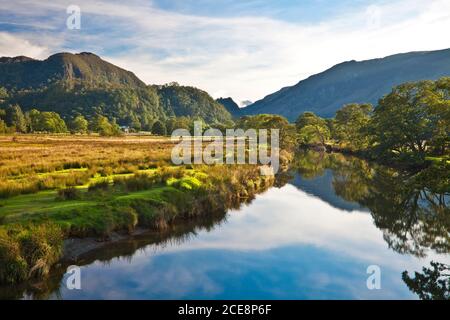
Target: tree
{"x": 79, "y": 124}
{"x": 115, "y": 128}
{"x": 351, "y": 124}
{"x": 183, "y": 123}
{"x": 412, "y": 120}
{"x": 268, "y": 122}
{"x": 102, "y": 125}
{"x": 15, "y": 118}
{"x": 34, "y": 119}
{"x": 159, "y": 128}
{"x": 52, "y": 122}
{"x": 45, "y": 122}
{"x": 432, "y": 284}
{"x": 171, "y": 125}
{"x": 312, "y": 129}
{"x": 437, "y": 97}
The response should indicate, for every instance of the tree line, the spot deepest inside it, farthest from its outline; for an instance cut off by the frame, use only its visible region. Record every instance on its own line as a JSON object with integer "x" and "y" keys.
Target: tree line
{"x": 14, "y": 120}
{"x": 408, "y": 124}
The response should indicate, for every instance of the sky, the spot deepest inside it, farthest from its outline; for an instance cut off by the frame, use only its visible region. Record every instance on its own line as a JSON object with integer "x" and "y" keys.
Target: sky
{"x": 245, "y": 49}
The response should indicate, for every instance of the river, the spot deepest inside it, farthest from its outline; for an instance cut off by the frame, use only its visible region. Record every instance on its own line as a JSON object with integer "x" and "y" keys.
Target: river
{"x": 312, "y": 237}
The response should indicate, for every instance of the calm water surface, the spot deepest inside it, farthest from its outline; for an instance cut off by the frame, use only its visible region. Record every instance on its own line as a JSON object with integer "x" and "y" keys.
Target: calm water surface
{"x": 312, "y": 238}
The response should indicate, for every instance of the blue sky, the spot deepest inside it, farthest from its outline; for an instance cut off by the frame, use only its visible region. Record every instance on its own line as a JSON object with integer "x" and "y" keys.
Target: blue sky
{"x": 245, "y": 49}
{"x": 312, "y": 11}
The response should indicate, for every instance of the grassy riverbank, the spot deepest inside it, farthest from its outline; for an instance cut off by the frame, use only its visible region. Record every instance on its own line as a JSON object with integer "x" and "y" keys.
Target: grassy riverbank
{"x": 55, "y": 188}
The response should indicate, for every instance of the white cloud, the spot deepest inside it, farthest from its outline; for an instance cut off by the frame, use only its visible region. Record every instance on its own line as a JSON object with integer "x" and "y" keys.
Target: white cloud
{"x": 243, "y": 57}
{"x": 11, "y": 46}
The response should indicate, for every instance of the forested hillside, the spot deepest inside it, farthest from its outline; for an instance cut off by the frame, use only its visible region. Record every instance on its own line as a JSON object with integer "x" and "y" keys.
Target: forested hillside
{"x": 85, "y": 85}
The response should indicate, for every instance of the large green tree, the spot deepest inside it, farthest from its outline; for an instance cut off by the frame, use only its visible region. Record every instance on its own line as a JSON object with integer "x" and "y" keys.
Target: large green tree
{"x": 103, "y": 126}
{"x": 15, "y": 118}
{"x": 46, "y": 122}
{"x": 159, "y": 128}
{"x": 436, "y": 95}
{"x": 312, "y": 129}
{"x": 79, "y": 124}
{"x": 351, "y": 124}
{"x": 413, "y": 120}
{"x": 271, "y": 121}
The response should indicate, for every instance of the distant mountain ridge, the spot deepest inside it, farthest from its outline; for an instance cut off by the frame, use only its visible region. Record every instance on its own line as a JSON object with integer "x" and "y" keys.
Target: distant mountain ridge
{"x": 83, "y": 83}
{"x": 231, "y": 106}
{"x": 353, "y": 82}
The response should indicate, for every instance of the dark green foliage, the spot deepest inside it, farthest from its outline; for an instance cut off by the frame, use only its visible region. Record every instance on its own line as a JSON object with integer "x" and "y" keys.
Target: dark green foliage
{"x": 413, "y": 121}
{"x": 70, "y": 193}
{"x": 353, "y": 82}
{"x": 45, "y": 122}
{"x": 432, "y": 284}
{"x": 174, "y": 123}
{"x": 188, "y": 101}
{"x": 99, "y": 185}
{"x": 351, "y": 125}
{"x": 312, "y": 129}
{"x": 159, "y": 128}
{"x": 15, "y": 118}
{"x": 271, "y": 121}
{"x": 79, "y": 124}
{"x": 23, "y": 73}
{"x": 102, "y": 125}
{"x": 137, "y": 182}
{"x": 134, "y": 107}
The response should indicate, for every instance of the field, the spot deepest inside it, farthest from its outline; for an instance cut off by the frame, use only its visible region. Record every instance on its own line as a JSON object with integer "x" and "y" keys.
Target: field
{"x": 58, "y": 187}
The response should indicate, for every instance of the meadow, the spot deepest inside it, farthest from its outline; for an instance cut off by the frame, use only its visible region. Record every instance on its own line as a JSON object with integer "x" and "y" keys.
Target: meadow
{"x": 57, "y": 187}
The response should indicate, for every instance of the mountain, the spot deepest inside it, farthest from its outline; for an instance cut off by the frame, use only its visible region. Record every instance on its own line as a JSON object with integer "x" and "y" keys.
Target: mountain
{"x": 353, "y": 82}
{"x": 188, "y": 101}
{"x": 23, "y": 72}
{"x": 83, "y": 83}
{"x": 231, "y": 106}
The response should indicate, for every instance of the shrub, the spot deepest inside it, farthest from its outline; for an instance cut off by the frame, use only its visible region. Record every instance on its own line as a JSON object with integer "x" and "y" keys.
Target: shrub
{"x": 99, "y": 185}
{"x": 136, "y": 183}
{"x": 71, "y": 193}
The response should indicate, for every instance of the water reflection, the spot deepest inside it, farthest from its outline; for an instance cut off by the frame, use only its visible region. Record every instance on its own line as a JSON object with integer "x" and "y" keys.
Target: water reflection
{"x": 313, "y": 237}
{"x": 412, "y": 209}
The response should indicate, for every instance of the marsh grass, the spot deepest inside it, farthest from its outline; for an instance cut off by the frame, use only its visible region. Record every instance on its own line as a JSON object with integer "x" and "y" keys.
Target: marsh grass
{"x": 41, "y": 162}
{"x": 29, "y": 251}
